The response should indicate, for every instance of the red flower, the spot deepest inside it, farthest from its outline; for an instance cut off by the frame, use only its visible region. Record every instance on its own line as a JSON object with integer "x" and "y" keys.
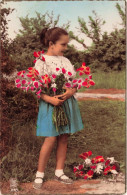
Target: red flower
{"x": 53, "y": 76}
{"x": 21, "y": 73}
{"x": 75, "y": 169}
{"x": 107, "y": 170}
{"x": 84, "y": 83}
{"x": 34, "y": 61}
{"x": 91, "y": 82}
{"x": 36, "y": 84}
{"x": 90, "y": 76}
{"x": 23, "y": 82}
{"x": 93, "y": 167}
{"x": 36, "y": 54}
{"x": 97, "y": 159}
{"x": 90, "y": 173}
{"x": 74, "y": 81}
{"x": 69, "y": 73}
{"x": 85, "y": 155}
{"x": 67, "y": 84}
{"x": 107, "y": 162}
{"x": 80, "y": 167}
{"x": 63, "y": 71}
{"x": 79, "y": 81}
{"x": 86, "y": 176}
{"x": 83, "y": 64}
{"x": 80, "y": 74}
{"x": 114, "y": 167}
{"x": 57, "y": 69}
{"x": 43, "y": 58}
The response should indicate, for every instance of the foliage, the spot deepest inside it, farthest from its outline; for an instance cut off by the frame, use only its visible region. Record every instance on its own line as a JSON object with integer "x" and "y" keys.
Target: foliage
{"x": 28, "y": 39}
{"x": 105, "y": 53}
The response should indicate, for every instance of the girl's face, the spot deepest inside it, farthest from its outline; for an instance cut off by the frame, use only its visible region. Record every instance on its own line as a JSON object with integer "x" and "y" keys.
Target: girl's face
{"x": 60, "y": 46}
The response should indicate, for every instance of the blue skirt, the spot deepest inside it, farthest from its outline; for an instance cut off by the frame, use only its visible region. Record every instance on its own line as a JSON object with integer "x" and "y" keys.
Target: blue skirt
{"x": 45, "y": 125}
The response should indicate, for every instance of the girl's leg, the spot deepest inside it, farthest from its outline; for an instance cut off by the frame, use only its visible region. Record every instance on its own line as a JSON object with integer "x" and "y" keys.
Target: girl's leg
{"x": 61, "y": 151}
{"x": 43, "y": 158}
{"x": 60, "y": 159}
{"x": 45, "y": 152}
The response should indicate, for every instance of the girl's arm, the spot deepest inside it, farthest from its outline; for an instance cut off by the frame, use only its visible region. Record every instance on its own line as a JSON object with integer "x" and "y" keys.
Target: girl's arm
{"x": 69, "y": 92}
{"x": 52, "y": 100}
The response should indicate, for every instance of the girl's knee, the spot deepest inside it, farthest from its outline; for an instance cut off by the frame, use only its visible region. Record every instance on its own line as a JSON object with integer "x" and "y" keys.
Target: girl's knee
{"x": 63, "y": 138}
{"x": 50, "y": 140}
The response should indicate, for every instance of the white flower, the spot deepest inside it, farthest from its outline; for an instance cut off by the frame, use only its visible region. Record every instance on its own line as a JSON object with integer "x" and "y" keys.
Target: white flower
{"x": 112, "y": 160}
{"x": 114, "y": 172}
{"x": 53, "y": 85}
{"x": 87, "y": 161}
{"x": 99, "y": 168}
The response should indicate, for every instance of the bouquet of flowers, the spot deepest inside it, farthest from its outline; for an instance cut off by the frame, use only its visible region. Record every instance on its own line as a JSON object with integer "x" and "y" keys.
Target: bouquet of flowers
{"x": 53, "y": 84}
{"x": 95, "y": 167}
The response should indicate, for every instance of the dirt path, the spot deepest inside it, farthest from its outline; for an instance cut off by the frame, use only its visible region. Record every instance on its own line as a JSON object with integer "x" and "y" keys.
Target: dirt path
{"x": 52, "y": 187}
{"x": 101, "y": 94}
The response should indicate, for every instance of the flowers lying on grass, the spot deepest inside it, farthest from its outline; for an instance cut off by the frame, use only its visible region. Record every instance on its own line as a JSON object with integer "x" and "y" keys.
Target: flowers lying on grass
{"x": 95, "y": 167}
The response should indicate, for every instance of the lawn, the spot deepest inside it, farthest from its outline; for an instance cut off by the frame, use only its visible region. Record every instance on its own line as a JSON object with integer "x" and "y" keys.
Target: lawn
{"x": 104, "y": 80}
{"x": 103, "y": 134}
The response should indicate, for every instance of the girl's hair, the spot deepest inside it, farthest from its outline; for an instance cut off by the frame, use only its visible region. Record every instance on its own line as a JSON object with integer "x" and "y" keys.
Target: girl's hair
{"x": 52, "y": 34}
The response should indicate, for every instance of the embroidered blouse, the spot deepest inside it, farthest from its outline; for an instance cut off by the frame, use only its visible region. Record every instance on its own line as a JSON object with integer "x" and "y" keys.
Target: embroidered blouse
{"x": 51, "y": 63}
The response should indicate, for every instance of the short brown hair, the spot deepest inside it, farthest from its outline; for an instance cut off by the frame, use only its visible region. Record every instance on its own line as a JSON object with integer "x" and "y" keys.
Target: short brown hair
{"x": 52, "y": 34}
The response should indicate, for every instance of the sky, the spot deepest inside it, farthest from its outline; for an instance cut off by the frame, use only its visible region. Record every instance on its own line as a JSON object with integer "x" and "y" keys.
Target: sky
{"x": 68, "y": 11}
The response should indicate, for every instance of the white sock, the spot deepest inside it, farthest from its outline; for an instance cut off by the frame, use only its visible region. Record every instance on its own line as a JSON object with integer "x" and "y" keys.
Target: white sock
{"x": 39, "y": 174}
{"x": 59, "y": 172}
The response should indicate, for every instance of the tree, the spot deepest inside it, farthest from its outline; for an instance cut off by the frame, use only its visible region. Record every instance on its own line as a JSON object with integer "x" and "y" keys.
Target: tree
{"x": 107, "y": 51}
{"x": 28, "y": 39}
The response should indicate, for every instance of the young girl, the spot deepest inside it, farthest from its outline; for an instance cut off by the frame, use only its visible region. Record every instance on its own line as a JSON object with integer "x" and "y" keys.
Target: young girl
{"x": 56, "y": 40}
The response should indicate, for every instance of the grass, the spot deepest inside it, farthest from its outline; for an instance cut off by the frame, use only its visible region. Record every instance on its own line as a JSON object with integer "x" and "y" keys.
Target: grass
{"x": 109, "y": 80}
{"x": 103, "y": 134}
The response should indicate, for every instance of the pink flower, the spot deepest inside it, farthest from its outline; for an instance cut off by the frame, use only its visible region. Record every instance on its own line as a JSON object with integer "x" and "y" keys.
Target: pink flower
{"x": 40, "y": 81}
{"x": 79, "y": 81}
{"x": 32, "y": 88}
{"x": 53, "y": 76}
{"x": 36, "y": 84}
{"x": 23, "y": 88}
{"x": 67, "y": 84}
{"x": 23, "y": 82}
{"x": 54, "y": 89}
{"x": 69, "y": 73}
{"x": 75, "y": 85}
{"x": 57, "y": 69}
{"x": 38, "y": 96}
{"x": 17, "y": 80}
{"x": 18, "y": 85}
{"x": 75, "y": 80}
{"x": 79, "y": 86}
{"x": 63, "y": 71}
{"x": 39, "y": 92}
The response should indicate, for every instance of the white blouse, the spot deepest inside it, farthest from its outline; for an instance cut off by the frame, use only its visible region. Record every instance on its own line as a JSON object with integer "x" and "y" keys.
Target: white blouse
{"x": 51, "y": 63}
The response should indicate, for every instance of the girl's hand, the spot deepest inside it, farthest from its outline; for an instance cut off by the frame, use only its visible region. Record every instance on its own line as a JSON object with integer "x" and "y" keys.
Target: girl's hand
{"x": 69, "y": 92}
{"x": 52, "y": 100}
{"x": 55, "y": 101}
